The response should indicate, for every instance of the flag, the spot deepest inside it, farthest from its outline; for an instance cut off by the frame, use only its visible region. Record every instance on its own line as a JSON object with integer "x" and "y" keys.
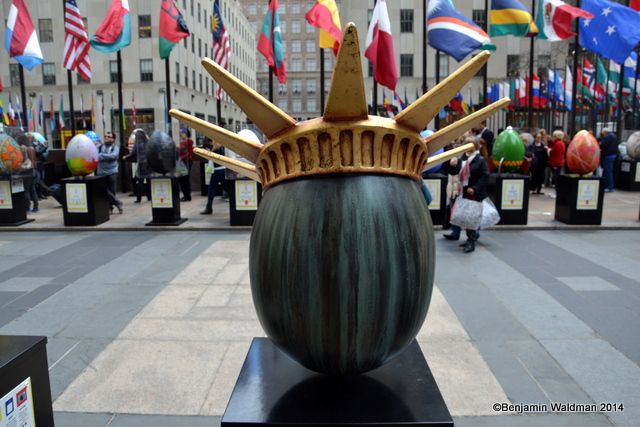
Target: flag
{"x": 406, "y": 99}
{"x": 270, "y": 42}
{"x": 75, "y": 56}
{"x": 398, "y": 102}
{"x": 30, "y": 124}
{"x": 568, "y": 88}
{"x": 114, "y": 32}
{"x": 173, "y": 27}
{"x": 325, "y": 16}
{"x": 221, "y": 47}
{"x": 554, "y": 19}
{"x": 3, "y": 114}
{"x": 630, "y": 65}
{"x": 61, "y": 114}
{"x": 601, "y": 80}
{"x": 456, "y": 103}
{"x": 93, "y": 114}
{"x": 52, "y": 122}
{"x": 12, "y": 113}
{"x": 510, "y": 17}
{"x": 559, "y": 85}
{"x": 635, "y": 5}
{"x": 21, "y": 40}
{"x": 18, "y": 112}
{"x": 388, "y": 105}
{"x": 613, "y": 32}
{"x": 452, "y": 32}
{"x": 380, "y": 47}
{"x": 134, "y": 112}
{"x": 1, "y": 87}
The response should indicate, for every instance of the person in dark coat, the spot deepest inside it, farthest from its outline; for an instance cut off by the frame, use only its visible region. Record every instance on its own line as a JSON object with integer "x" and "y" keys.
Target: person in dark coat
{"x": 540, "y": 156}
{"x": 139, "y": 155}
{"x": 608, "y": 154}
{"x": 474, "y": 173}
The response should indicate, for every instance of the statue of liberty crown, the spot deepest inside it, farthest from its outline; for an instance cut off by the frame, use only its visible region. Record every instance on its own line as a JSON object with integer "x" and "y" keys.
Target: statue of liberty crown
{"x": 346, "y": 140}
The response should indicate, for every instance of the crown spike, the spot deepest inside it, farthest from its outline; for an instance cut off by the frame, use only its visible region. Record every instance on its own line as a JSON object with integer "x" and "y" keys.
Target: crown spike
{"x": 448, "y": 155}
{"x": 422, "y": 111}
{"x": 247, "y": 149}
{"x": 269, "y": 118}
{"x": 454, "y": 130}
{"x": 347, "y": 99}
{"x": 244, "y": 169}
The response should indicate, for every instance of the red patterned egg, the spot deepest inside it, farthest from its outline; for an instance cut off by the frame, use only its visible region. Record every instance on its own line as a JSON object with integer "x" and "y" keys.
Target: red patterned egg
{"x": 583, "y": 155}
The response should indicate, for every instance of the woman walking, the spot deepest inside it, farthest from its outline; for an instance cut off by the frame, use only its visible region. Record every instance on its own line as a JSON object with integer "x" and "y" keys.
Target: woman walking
{"x": 540, "y": 155}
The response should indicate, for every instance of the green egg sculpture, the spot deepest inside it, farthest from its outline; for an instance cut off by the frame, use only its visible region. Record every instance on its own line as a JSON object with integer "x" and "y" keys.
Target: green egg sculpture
{"x": 509, "y": 150}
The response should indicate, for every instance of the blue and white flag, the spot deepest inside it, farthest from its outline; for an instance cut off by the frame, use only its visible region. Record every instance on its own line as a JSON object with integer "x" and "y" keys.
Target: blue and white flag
{"x": 613, "y": 32}
{"x": 452, "y": 32}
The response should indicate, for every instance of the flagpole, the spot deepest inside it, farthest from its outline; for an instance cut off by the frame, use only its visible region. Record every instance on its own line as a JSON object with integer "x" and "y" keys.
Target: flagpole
{"x": 437, "y": 118}
{"x": 619, "y": 115}
{"x": 576, "y": 53}
{"x": 605, "y": 114}
{"x": 424, "y": 46}
{"x": 485, "y": 27}
{"x": 23, "y": 93}
{"x": 531, "y": 61}
{"x": 634, "y": 104}
{"x": 374, "y": 100}
{"x": 321, "y": 81}
{"x": 167, "y": 73}
{"x": 120, "y": 104}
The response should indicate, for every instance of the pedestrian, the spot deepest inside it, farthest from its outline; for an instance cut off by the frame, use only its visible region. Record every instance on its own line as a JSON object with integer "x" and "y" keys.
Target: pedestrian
{"x": 556, "y": 155}
{"x": 185, "y": 151}
{"x": 217, "y": 177}
{"x": 540, "y": 157}
{"x": 138, "y": 155}
{"x": 474, "y": 174}
{"x": 41, "y": 148}
{"x": 608, "y": 154}
{"x": 28, "y": 172}
{"x": 487, "y": 137}
{"x": 108, "y": 156}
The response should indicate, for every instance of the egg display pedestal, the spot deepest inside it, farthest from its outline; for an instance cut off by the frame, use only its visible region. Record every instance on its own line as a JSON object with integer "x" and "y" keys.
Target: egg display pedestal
{"x": 510, "y": 193}
{"x": 165, "y": 201}
{"x": 627, "y": 175}
{"x": 579, "y": 200}
{"x": 85, "y": 201}
{"x": 13, "y": 201}
{"x": 244, "y": 198}
{"x": 273, "y": 390}
{"x": 437, "y": 185}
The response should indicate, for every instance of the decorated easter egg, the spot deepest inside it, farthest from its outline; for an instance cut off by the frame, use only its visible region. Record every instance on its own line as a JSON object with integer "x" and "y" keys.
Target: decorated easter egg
{"x": 81, "y": 156}
{"x": 508, "y": 149}
{"x": 583, "y": 154}
{"x": 11, "y": 156}
{"x": 38, "y": 137}
{"x": 633, "y": 146}
{"x": 161, "y": 153}
{"x": 94, "y": 137}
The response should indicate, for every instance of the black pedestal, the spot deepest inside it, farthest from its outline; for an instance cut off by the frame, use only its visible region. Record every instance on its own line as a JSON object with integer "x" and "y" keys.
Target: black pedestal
{"x": 510, "y": 193}
{"x": 165, "y": 201}
{"x": 579, "y": 200}
{"x": 437, "y": 184}
{"x": 85, "y": 201}
{"x": 244, "y": 198}
{"x": 23, "y": 358}
{"x": 13, "y": 209}
{"x": 627, "y": 175}
{"x": 272, "y": 390}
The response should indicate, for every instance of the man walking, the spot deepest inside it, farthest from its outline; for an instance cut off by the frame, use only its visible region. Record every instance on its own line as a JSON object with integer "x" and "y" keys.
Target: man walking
{"x": 108, "y": 154}
{"x": 608, "y": 154}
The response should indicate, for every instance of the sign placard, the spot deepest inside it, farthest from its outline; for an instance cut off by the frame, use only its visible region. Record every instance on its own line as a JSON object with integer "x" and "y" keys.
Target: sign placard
{"x": 17, "y": 185}
{"x": 434, "y": 188}
{"x": 77, "y": 198}
{"x": 6, "y": 201}
{"x": 246, "y": 195}
{"x": 16, "y": 407}
{"x": 587, "y": 195}
{"x": 161, "y": 193}
{"x": 637, "y": 172}
{"x": 512, "y": 194}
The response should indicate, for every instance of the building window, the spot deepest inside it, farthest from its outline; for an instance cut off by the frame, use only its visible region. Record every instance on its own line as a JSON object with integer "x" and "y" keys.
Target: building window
{"x": 200, "y": 79}
{"x": 310, "y": 28}
{"x": 205, "y": 18}
{"x": 113, "y": 71}
{"x": 252, "y": 9}
{"x": 283, "y": 27}
{"x": 311, "y": 104}
{"x": 444, "y": 64}
{"x": 282, "y": 89}
{"x": 310, "y": 65}
{"x": 311, "y": 46}
{"x": 296, "y": 105}
{"x": 49, "y": 74}
{"x": 46, "y": 30}
{"x": 296, "y": 86}
{"x": 479, "y": 17}
{"x": 327, "y": 62}
{"x": 199, "y": 14}
{"x": 184, "y": 42}
{"x": 193, "y": 79}
{"x": 200, "y": 48}
{"x": 295, "y": 46}
{"x": 295, "y": 26}
{"x": 206, "y": 85}
{"x": 177, "y": 72}
{"x": 513, "y": 65}
{"x": 144, "y": 26}
{"x": 283, "y": 104}
{"x": 406, "y": 65}
{"x": 311, "y": 86}
{"x": 14, "y": 74}
{"x": 295, "y": 8}
{"x": 186, "y": 77}
{"x": 296, "y": 65}
{"x": 146, "y": 70}
{"x": 327, "y": 85}
{"x": 191, "y": 7}
{"x": 283, "y": 8}
{"x": 369, "y": 16}
{"x": 406, "y": 20}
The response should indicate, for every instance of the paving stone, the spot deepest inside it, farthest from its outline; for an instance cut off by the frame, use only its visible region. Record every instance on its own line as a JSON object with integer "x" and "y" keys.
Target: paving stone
{"x": 7, "y": 297}
{"x": 231, "y": 274}
{"x": 173, "y": 302}
{"x": 588, "y": 283}
{"x": 23, "y": 284}
{"x": 71, "y": 419}
{"x": 192, "y": 330}
{"x": 217, "y": 296}
{"x": 35, "y": 297}
{"x": 124, "y": 420}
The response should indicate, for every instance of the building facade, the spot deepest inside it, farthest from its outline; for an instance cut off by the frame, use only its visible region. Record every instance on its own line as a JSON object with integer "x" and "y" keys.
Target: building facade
{"x": 143, "y": 71}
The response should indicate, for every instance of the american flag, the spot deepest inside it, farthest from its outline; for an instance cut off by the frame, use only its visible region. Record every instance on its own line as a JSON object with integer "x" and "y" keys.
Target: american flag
{"x": 221, "y": 47}
{"x": 76, "y": 42}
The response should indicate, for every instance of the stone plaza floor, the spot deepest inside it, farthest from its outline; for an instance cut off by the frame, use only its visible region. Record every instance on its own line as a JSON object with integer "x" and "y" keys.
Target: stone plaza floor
{"x": 151, "y": 328}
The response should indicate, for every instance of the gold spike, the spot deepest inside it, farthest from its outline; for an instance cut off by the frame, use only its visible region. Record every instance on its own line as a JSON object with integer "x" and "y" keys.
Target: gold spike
{"x": 242, "y": 168}
{"x": 420, "y": 113}
{"x": 451, "y": 132}
{"x": 347, "y": 99}
{"x": 247, "y": 149}
{"x": 269, "y": 118}
{"x": 448, "y": 155}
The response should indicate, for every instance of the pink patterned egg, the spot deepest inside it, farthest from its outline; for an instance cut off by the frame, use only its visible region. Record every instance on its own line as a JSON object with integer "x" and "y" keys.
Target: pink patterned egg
{"x": 583, "y": 155}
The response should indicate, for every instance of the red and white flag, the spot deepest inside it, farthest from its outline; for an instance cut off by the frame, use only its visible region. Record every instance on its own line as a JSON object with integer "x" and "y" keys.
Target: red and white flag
{"x": 555, "y": 19}
{"x": 76, "y": 42}
{"x": 635, "y": 5}
{"x": 380, "y": 47}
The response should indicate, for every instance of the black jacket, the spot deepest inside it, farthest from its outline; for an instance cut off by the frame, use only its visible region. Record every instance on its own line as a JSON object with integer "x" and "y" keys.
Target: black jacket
{"x": 479, "y": 175}
{"x": 609, "y": 145}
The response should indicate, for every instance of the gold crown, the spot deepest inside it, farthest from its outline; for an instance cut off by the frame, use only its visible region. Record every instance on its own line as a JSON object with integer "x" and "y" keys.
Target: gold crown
{"x": 346, "y": 140}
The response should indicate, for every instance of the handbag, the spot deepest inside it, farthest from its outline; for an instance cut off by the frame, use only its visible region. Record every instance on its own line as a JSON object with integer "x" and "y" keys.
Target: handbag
{"x": 26, "y": 164}
{"x": 466, "y": 213}
{"x": 209, "y": 168}
{"x": 490, "y": 215}
{"x": 181, "y": 168}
